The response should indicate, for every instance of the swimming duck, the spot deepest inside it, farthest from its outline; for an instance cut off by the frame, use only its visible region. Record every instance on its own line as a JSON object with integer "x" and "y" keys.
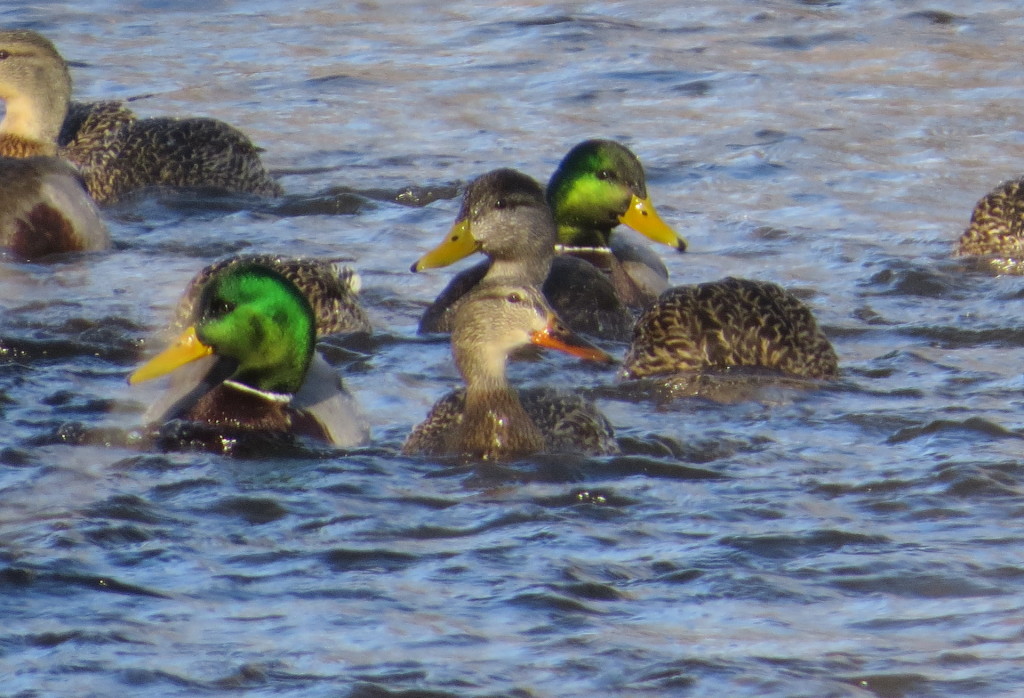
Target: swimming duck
{"x": 598, "y": 185}
{"x": 44, "y": 207}
{"x": 996, "y": 229}
{"x": 488, "y": 419}
{"x": 115, "y": 151}
{"x": 332, "y": 290}
{"x": 265, "y": 376}
{"x": 726, "y": 324}
{"x": 505, "y": 216}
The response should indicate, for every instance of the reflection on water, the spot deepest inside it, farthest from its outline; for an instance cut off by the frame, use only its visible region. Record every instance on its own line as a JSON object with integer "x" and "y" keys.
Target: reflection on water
{"x": 854, "y": 538}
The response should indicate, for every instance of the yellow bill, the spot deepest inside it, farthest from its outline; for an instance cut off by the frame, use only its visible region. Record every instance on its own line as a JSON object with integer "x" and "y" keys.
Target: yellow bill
{"x": 457, "y": 244}
{"x": 186, "y": 349}
{"x": 641, "y": 217}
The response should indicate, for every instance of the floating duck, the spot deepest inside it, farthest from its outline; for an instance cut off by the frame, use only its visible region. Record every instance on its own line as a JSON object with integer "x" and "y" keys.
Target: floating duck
{"x": 266, "y": 376}
{"x": 728, "y": 324}
{"x": 996, "y": 230}
{"x": 115, "y": 151}
{"x": 488, "y": 419}
{"x": 598, "y": 185}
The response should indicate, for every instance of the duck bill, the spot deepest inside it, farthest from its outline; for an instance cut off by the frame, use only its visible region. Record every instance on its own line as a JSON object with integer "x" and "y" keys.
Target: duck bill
{"x": 186, "y": 349}
{"x": 641, "y": 217}
{"x": 558, "y": 336}
{"x": 457, "y": 244}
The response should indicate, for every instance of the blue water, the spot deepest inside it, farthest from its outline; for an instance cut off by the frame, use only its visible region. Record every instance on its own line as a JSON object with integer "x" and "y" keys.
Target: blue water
{"x": 859, "y": 540}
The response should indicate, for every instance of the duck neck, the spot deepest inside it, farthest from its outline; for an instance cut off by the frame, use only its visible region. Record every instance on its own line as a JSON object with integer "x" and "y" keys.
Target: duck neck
{"x": 583, "y": 234}
{"x": 494, "y": 423}
{"x": 530, "y": 270}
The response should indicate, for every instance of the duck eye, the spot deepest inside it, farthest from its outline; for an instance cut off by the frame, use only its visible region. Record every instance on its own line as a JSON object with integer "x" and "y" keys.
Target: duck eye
{"x": 604, "y": 175}
{"x": 4, "y": 54}
{"x": 220, "y": 307}
{"x": 514, "y": 297}
{"x": 500, "y": 204}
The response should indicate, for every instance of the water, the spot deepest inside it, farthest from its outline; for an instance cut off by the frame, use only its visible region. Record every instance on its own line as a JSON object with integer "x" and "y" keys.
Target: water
{"x": 858, "y": 540}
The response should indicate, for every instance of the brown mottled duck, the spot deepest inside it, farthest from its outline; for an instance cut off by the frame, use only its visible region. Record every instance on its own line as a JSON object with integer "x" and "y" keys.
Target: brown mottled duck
{"x": 996, "y": 230}
{"x": 488, "y": 419}
{"x": 728, "y": 324}
{"x": 115, "y": 151}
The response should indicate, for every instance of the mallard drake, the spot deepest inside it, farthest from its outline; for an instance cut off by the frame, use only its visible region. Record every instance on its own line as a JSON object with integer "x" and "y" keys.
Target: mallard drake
{"x": 115, "y": 151}
{"x": 44, "y": 207}
{"x": 996, "y": 230}
{"x": 332, "y": 290}
{"x": 488, "y": 419}
{"x": 726, "y": 324}
{"x": 504, "y": 215}
{"x": 598, "y": 185}
{"x": 266, "y": 377}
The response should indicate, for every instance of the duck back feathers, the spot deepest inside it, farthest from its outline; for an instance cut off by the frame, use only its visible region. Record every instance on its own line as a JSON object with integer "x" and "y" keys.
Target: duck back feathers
{"x": 997, "y": 228}
{"x": 729, "y": 323}
{"x": 119, "y": 153}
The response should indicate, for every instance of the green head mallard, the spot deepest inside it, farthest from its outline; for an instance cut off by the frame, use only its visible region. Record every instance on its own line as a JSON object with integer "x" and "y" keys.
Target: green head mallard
{"x": 598, "y": 185}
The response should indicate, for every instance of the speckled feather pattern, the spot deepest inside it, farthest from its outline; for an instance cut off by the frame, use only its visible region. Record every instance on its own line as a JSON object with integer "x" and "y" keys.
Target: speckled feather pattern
{"x": 118, "y": 152}
{"x": 329, "y": 288}
{"x": 568, "y": 423}
{"x": 729, "y": 323}
{"x": 997, "y": 228}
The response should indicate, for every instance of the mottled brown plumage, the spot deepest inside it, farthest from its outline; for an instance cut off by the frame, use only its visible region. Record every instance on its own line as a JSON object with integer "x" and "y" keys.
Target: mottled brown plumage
{"x": 725, "y": 324}
{"x": 119, "y": 153}
{"x": 489, "y": 419}
{"x": 115, "y": 151}
{"x": 996, "y": 230}
{"x": 332, "y": 290}
{"x": 556, "y": 422}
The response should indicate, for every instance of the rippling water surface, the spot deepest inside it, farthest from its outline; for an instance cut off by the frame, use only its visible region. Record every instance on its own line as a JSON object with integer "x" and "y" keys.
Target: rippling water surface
{"x": 861, "y": 539}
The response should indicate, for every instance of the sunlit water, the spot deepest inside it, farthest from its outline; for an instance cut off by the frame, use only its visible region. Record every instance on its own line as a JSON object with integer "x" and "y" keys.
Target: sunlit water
{"x": 862, "y": 539}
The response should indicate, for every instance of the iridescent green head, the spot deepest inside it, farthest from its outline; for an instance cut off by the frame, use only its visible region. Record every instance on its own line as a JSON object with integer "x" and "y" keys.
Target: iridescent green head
{"x": 254, "y": 316}
{"x": 598, "y": 185}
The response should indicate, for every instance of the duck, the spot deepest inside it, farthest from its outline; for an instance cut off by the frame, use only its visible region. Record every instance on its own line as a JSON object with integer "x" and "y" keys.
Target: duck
{"x": 599, "y": 184}
{"x": 996, "y": 229}
{"x": 331, "y": 289}
{"x": 728, "y": 324}
{"x": 488, "y": 419}
{"x": 265, "y": 376}
{"x": 115, "y": 151}
{"x": 44, "y": 205}
{"x": 505, "y": 216}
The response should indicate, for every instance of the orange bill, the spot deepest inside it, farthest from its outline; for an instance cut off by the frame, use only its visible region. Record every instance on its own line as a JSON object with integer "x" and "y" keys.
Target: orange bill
{"x": 641, "y": 217}
{"x": 457, "y": 244}
{"x": 186, "y": 349}
{"x": 558, "y": 336}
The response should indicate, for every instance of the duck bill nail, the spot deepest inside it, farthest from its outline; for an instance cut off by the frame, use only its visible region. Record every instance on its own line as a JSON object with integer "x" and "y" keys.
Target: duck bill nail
{"x": 556, "y": 336}
{"x": 186, "y": 349}
{"x": 457, "y": 244}
{"x": 641, "y": 217}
